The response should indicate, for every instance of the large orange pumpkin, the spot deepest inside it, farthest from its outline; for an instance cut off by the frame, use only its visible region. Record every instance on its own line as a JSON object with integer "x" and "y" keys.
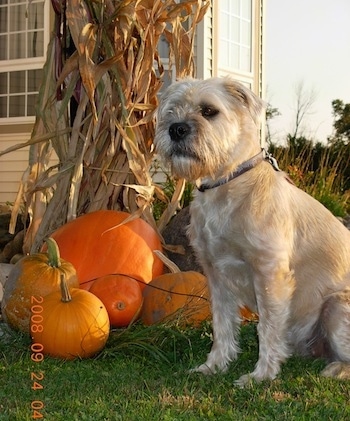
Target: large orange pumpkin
{"x": 181, "y": 295}
{"x": 99, "y": 244}
{"x": 70, "y": 324}
{"x": 121, "y": 296}
{"x": 36, "y": 276}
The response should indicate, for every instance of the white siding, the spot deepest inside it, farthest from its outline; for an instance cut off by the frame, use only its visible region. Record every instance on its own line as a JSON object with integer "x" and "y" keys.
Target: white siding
{"x": 12, "y": 165}
{"x": 204, "y": 46}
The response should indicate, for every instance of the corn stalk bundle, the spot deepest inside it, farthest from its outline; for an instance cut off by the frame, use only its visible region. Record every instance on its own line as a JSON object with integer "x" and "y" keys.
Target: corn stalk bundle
{"x": 95, "y": 110}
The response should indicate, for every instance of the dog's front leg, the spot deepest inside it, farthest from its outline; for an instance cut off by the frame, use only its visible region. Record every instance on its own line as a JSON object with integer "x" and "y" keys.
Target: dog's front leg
{"x": 274, "y": 301}
{"x": 226, "y": 322}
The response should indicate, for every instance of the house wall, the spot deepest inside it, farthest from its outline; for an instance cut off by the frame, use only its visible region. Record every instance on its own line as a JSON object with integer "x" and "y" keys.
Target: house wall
{"x": 17, "y": 130}
{"x": 203, "y": 53}
{"x": 13, "y": 164}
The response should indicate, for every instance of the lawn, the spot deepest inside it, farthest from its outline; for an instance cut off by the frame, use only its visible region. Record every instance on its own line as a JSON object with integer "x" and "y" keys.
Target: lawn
{"x": 143, "y": 375}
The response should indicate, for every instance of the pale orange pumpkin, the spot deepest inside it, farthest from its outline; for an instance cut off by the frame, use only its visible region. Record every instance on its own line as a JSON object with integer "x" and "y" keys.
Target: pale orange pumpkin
{"x": 35, "y": 275}
{"x": 181, "y": 295}
{"x": 73, "y": 324}
{"x": 100, "y": 243}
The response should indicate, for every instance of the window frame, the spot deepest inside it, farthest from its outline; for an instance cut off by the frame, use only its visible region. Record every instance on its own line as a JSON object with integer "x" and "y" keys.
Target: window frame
{"x": 249, "y": 78}
{"x": 25, "y": 64}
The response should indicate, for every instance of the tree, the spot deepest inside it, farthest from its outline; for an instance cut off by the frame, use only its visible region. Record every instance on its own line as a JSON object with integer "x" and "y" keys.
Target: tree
{"x": 305, "y": 100}
{"x": 271, "y": 113}
{"x": 339, "y": 142}
{"x": 341, "y": 124}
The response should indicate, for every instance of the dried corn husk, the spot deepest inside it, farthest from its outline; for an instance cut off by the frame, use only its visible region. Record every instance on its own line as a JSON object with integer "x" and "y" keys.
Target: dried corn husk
{"x": 95, "y": 109}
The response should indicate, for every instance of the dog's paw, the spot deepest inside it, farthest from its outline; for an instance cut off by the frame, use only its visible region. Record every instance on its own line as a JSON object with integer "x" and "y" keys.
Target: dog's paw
{"x": 250, "y": 378}
{"x": 204, "y": 369}
{"x": 337, "y": 370}
{"x": 209, "y": 368}
{"x": 245, "y": 380}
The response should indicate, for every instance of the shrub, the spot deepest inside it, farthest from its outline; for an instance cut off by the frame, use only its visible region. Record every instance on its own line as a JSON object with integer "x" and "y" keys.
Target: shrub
{"x": 320, "y": 170}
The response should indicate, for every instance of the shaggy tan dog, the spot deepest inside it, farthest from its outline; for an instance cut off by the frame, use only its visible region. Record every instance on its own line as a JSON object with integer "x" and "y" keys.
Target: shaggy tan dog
{"x": 262, "y": 242}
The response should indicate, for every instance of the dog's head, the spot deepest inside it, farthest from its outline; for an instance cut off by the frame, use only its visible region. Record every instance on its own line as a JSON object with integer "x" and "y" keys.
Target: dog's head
{"x": 206, "y": 127}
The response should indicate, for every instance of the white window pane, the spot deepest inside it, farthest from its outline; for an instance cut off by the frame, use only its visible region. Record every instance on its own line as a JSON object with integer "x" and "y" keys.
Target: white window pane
{"x": 225, "y": 5}
{"x": 17, "y": 106}
{"x": 3, "y": 106}
{"x": 245, "y": 59}
{"x": 3, "y": 83}
{"x": 3, "y": 47}
{"x": 223, "y": 52}
{"x": 3, "y": 20}
{"x": 224, "y": 24}
{"x": 17, "y": 46}
{"x": 31, "y": 102}
{"x": 36, "y": 16}
{"x": 36, "y": 44}
{"x": 235, "y": 30}
{"x": 34, "y": 78}
{"x": 235, "y": 7}
{"x": 246, "y": 33}
{"x": 246, "y": 9}
{"x": 17, "y": 15}
{"x": 234, "y": 57}
{"x": 17, "y": 82}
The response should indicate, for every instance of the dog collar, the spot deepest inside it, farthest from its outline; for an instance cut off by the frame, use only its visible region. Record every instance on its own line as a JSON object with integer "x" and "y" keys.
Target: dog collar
{"x": 263, "y": 155}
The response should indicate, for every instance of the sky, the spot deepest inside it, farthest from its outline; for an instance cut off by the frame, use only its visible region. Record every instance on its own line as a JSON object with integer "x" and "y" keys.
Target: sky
{"x": 308, "y": 42}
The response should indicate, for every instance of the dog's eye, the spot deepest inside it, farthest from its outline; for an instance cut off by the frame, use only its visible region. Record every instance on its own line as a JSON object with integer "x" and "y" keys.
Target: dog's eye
{"x": 208, "y": 111}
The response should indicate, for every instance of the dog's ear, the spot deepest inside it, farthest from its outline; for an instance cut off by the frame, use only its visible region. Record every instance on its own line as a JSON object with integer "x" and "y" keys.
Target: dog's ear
{"x": 253, "y": 103}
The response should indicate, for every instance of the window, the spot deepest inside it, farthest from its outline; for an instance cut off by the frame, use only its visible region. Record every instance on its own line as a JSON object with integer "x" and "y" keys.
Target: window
{"x": 235, "y": 35}
{"x": 24, "y": 31}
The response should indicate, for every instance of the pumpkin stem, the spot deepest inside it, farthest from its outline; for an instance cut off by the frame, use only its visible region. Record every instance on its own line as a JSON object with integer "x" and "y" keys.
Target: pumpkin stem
{"x": 66, "y": 296}
{"x": 53, "y": 252}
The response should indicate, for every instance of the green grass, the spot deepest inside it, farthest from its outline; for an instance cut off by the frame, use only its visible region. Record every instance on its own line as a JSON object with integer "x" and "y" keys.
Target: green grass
{"x": 143, "y": 375}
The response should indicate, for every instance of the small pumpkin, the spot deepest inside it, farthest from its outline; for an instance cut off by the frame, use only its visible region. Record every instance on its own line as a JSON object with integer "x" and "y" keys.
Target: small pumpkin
{"x": 100, "y": 243}
{"x": 121, "y": 296}
{"x": 181, "y": 294}
{"x": 75, "y": 324}
{"x": 34, "y": 275}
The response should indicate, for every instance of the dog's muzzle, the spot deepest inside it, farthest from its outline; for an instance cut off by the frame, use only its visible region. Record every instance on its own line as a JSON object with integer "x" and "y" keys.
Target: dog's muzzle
{"x": 179, "y": 131}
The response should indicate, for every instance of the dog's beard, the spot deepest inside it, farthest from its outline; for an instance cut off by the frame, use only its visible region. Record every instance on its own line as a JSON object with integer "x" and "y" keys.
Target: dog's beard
{"x": 186, "y": 167}
{"x": 183, "y": 160}
{"x": 196, "y": 160}
{"x": 183, "y": 150}
{"x": 190, "y": 159}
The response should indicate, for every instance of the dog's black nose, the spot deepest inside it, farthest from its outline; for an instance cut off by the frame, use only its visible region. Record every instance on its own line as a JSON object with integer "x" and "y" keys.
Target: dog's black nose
{"x": 178, "y": 131}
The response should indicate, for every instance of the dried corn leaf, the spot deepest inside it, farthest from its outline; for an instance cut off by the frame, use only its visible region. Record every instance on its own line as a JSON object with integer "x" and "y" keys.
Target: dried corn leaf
{"x": 173, "y": 205}
{"x": 77, "y": 16}
{"x": 96, "y": 106}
